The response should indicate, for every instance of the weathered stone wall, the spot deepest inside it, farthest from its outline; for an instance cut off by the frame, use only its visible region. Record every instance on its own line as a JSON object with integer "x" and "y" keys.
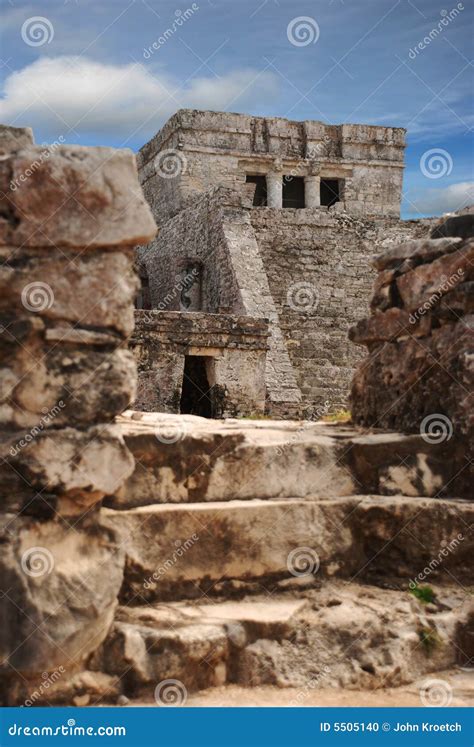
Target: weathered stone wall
{"x": 419, "y": 374}
{"x": 234, "y": 346}
{"x": 306, "y": 271}
{"x": 317, "y": 265}
{"x": 217, "y": 233}
{"x": 196, "y": 150}
{"x": 69, "y": 219}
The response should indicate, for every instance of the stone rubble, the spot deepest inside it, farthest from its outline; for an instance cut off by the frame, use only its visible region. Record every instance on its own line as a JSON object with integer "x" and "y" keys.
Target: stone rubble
{"x": 69, "y": 219}
{"x": 419, "y": 374}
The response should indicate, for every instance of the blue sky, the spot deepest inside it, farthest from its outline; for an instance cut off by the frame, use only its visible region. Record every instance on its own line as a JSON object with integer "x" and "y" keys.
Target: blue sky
{"x": 82, "y": 72}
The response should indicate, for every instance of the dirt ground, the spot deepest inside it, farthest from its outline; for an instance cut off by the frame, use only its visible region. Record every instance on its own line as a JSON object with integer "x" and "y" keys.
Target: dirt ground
{"x": 461, "y": 683}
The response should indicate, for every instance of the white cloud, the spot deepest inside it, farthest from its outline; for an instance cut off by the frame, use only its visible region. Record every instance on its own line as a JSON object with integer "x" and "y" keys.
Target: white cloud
{"x": 443, "y": 200}
{"x": 86, "y": 97}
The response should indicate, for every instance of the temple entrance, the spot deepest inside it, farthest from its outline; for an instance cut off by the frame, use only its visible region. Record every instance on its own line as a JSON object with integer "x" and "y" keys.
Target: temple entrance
{"x": 196, "y": 391}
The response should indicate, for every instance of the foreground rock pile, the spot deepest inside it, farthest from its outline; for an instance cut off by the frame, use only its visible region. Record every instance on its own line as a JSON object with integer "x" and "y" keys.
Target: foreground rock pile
{"x": 419, "y": 374}
{"x": 69, "y": 219}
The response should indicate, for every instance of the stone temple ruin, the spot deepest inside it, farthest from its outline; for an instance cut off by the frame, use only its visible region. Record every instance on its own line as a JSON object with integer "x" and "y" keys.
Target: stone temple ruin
{"x": 265, "y": 227}
{"x": 145, "y": 556}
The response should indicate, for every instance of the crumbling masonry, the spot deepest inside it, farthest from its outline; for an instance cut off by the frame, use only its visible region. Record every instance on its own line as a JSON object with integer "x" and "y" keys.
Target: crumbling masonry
{"x": 273, "y": 220}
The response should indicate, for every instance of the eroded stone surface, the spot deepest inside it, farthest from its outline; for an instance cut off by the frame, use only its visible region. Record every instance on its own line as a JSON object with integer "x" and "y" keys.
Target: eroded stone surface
{"x": 73, "y": 196}
{"x": 61, "y": 590}
{"x": 192, "y": 547}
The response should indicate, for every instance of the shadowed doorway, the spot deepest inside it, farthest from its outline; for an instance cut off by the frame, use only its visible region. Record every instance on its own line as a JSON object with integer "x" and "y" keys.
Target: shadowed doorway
{"x": 196, "y": 391}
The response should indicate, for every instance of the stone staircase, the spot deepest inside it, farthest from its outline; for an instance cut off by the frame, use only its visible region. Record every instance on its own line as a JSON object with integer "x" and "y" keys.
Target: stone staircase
{"x": 257, "y": 553}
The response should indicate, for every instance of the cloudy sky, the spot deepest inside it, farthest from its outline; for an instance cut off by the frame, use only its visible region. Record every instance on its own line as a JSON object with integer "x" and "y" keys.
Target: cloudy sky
{"x": 110, "y": 72}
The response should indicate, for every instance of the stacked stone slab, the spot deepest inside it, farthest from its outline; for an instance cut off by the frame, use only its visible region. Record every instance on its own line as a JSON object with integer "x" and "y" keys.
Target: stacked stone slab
{"x": 69, "y": 219}
{"x": 419, "y": 373}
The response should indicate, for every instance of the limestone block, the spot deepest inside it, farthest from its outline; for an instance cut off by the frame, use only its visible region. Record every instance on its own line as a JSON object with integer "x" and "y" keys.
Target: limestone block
{"x": 14, "y": 138}
{"x": 420, "y": 250}
{"x": 73, "y": 196}
{"x": 95, "y": 289}
{"x": 431, "y": 375}
{"x": 75, "y": 386}
{"x": 391, "y": 324}
{"x": 61, "y": 587}
{"x": 73, "y": 468}
{"x": 427, "y": 283}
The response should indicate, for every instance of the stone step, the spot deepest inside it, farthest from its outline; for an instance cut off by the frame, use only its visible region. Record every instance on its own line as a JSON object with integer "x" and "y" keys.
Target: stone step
{"x": 341, "y": 635}
{"x": 184, "y": 458}
{"x": 236, "y": 546}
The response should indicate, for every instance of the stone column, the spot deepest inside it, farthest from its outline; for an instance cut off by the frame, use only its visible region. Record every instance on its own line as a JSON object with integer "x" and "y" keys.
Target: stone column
{"x": 274, "y": 189}
{"x": 67, "y": 287}
{"x": 312, "y": 193}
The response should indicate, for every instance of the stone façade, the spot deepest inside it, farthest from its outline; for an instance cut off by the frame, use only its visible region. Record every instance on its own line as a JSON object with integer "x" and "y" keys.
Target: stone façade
{"x": 239, "y": 201}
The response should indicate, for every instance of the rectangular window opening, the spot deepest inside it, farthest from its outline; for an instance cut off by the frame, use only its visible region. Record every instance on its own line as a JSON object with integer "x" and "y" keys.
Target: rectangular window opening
{"x": 260, "y": 196}
{"x": 330, "y": 192}
{"x": 293, "y": 192}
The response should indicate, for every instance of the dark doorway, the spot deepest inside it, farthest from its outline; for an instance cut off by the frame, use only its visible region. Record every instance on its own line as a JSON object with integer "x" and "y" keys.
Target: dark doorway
{"x": 196, "y": 392}
{"x": 293, "y": 192}
{"x": 260, "y": 196}
{"x": 329, "y": 192}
